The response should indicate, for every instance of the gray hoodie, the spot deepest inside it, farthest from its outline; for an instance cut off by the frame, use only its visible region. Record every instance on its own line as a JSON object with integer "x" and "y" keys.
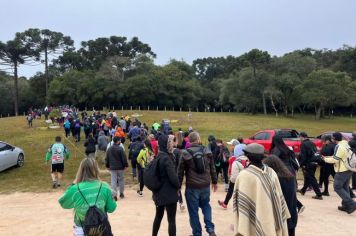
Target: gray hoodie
{"x": 102, "y": 141}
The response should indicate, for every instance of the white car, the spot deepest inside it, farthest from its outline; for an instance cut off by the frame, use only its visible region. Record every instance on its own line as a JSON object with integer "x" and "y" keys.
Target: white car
{"x": 10, "y": 156}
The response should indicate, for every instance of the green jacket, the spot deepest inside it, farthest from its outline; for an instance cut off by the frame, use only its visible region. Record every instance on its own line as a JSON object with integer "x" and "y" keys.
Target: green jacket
{"x": 73, "y": 199}
{"x": 142, "y": 157}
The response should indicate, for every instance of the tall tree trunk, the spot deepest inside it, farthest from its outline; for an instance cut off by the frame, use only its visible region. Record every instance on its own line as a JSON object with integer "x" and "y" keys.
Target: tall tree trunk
{"x": 318, "y": 112}
{"x": 264, "y": 103}
{"x": 46, "y": 73}
{"x": 16, "y": 90}
{"x": 273, "y": 106}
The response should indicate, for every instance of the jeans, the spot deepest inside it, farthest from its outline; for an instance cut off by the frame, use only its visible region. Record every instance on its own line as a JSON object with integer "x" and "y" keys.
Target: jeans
{"x": 342, "y": 188}
{"x": 171, "y": 216}
{"x": 117, "y": 176}
{"x": 199, "y": 198}
{"x": 310, "y": 180}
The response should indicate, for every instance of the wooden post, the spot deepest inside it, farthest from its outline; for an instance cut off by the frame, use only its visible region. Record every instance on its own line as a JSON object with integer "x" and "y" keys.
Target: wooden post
{"x": 165, "y": 109}
{"x": 157, "y": 108}
{"x": 214, "y": 109}
{"x": 131, "y": 108}
{"x": 189, "y": 109}
{"x": 197, "y": 110}
{"x": 122, "y": 108}
{"x": 173, "y": 109}
{"x": 180, "y": 109}
{"x": 139, "y": 108}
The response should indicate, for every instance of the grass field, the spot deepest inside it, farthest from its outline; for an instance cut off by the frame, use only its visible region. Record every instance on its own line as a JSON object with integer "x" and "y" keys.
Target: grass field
{"x": 35, "y": 175}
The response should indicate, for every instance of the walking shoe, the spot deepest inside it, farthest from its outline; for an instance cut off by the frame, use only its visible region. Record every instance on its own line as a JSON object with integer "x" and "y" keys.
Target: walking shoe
{"x": 318, "y": 197}
{"x": 301, "y": 192}
{"x": 222, "y": 204}
{"x": 140, "y": 194}
{"x": 181, "y": 207}
{"x": 351, "y": 209}
{"x": 325, "y": 194}
{"x": 54, "y": 185}
{"x": 122, "y": 196}
{"x": 115, "y": 198}
{"x": 341, "y": 208}
{"x": 212, "y": 234}
{"x": 58, "y": 185}
{"x": 301, "y": 209}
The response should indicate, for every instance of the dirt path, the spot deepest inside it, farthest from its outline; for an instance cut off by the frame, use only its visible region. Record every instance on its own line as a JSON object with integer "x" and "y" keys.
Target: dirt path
{"x": 34, "y": 214}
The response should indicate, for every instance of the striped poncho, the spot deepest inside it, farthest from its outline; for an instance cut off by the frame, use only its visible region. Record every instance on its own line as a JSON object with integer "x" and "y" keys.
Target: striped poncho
{"x": 259, "y": 206}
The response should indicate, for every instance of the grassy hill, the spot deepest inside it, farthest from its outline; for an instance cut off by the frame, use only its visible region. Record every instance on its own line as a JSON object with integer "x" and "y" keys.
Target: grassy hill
{"x": 35, "y": 175}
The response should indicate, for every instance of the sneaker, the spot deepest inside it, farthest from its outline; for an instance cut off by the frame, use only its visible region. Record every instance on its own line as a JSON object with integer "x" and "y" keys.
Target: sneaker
{"x": 115, "y": 198}
{"x": 140, "y": 194}
{"x": 222, "y": 204}
{"x": 341, "y": 208}
{"x": 325, "y": 194}
{"x": 122, "y": 196}
{"x": 300, "y": 210}
{"x": 54, "y": 185}
{"x": 351, "y": 209}
{"x": 58, "y": 185}
{"x": 181, "y": 207}
{"x": 301, "y": 192}
{"x": 212, "y": 234}
{"x": 318, "y": 197}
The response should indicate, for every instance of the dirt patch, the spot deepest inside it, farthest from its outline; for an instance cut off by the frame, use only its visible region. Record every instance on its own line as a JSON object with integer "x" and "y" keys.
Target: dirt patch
{"x": 34, "y": 214}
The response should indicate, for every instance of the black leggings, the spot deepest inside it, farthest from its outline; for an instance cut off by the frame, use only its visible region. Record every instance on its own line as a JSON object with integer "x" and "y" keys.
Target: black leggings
{"x": 229, "y": 193}
{"x": 328, "y": 170}
{"x": 171, "y": 216}
{"x": 291, "y": 232}
{"x": 140, "y": 177}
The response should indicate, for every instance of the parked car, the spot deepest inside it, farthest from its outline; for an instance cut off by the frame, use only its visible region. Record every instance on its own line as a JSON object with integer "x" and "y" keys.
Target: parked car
{"x": 346, "y": 135}
{"x": 290, "y": 137}
{"x": 10, "y": 156}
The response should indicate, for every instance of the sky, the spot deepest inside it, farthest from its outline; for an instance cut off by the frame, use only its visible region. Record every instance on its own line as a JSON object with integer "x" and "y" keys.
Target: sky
{"x": 190, "y": 29}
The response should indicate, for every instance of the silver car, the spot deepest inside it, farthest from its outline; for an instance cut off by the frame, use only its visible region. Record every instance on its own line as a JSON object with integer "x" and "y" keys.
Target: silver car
{"x": 10, "y": 156}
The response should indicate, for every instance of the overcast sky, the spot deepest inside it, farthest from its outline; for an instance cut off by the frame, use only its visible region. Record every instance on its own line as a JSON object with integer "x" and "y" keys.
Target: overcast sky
{"x": 190, "y": 29}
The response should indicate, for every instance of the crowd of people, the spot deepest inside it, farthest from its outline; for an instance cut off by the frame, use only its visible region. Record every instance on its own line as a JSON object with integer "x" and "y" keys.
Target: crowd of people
{"x": 263, "y": 187}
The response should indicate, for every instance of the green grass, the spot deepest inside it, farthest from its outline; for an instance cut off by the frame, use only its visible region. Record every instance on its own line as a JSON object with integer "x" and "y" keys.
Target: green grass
{"x": 35, "y": 175}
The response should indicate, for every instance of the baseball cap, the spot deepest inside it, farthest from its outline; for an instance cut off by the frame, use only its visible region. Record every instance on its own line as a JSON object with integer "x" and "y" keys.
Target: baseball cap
{"x": 233, "y": 142}
{"x": 254, "y": 148}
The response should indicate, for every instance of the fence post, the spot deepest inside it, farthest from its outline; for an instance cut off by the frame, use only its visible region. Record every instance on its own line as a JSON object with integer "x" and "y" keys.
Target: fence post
{"x": 8, "y": 114}
{"x": 131, "y": 108}
{"x": 122, "y": 108}
{"x": 148, "y": 108}
{"x": 165, "y": 109}
{"x": 157, "y": 108}
{"x": 113, "y": 108}
{"x": 214, "y": 109}
{"x": 139, "y": 108}
{"x": 180, "y": 109}
{"x": 173, "y": 109}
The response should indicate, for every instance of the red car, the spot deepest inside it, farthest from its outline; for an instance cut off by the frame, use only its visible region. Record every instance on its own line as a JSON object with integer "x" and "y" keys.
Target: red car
{"x": 290, "y": 137}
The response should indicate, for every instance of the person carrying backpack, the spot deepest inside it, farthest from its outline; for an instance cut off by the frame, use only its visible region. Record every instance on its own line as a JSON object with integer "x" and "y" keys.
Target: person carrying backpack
{"x": 197, "y": 165}
{"x": 91, "y": 199}
{"x": 222, "y": 162}
{"x": 90, "y": 146}
{"x": 166, "y": 197}
{"x": 135, "y": 148}
{"x": 102, "y": 145}
{"x": 343, "y": 174}
{"x": 144, "y": 157}
{"x": 67, "y": 128}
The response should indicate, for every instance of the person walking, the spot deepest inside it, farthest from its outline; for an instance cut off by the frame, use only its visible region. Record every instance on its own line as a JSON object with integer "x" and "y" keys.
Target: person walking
{"x": 57, "y": 153}
{"x": 87, "y": 190}
{"x": 352, "y": 144}
{"x": 328, "y": 149}
{"x": 259, "y": 204}
{"x": 144, "y": 157}
{"x": 197, "y": 165}
{"x": 222, "y": 162}
{"x": 166, "y": 197}
{"x": 29, "y": 120}
{"x": 102, "y": 142}
{"x": 67, "y": 127}
{"x": 89, "y": 145}
{"x": 135, "y": 148}
{"x": 288, "y": 185}
{"x": 116, "y": 163}
{"x": 309, "y": 165}
{"x": 343, "y": 175}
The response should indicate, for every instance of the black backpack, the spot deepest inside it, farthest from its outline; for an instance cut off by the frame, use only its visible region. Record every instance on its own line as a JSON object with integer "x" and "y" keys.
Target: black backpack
{"x": 135, "y": 149}
{"x": 96, "y": 222}
{"x": 199, "y": 160}
{"x": 151, "y": 176}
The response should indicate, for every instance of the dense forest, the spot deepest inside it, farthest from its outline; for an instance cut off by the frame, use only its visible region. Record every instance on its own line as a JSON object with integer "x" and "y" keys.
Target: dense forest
{"x": 117, "y": 71}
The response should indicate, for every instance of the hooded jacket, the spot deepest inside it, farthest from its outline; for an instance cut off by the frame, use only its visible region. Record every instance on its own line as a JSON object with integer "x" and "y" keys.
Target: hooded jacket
{"x": 102, "y": 141}
{"x": 116, "y": 158}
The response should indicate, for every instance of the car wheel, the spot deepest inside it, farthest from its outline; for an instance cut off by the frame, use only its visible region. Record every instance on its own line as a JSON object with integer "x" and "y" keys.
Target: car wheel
{"x": 20, "y": 160}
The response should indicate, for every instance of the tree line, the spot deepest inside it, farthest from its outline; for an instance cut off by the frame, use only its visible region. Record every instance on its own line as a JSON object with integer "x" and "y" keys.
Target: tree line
{"x": 117, "y": 71}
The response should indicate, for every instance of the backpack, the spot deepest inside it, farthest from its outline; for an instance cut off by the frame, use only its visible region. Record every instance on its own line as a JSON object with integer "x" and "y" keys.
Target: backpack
{"x": 96, "y": 222}
{"x": 350, "y": 161}
{"x": 67, "y": 125}
{"x": 199, "y": 160}
{"x": 151, "y": 176}
{"x": 77, "y": 125}
{"x": 135, "y": 149}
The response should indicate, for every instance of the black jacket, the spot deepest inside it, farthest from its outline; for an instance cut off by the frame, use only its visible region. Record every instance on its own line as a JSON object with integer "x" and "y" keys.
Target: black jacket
{"x": 352, "y": 144}
{"x": 116, "y": 158}
{"x": 284, "y": 157}
{"x": 307, "y": 151}
{"x": 89, "y": 145}
{"x": 168, "y": 193}
{"x": 328, "y": 150}
{"x": 187, "y": 168}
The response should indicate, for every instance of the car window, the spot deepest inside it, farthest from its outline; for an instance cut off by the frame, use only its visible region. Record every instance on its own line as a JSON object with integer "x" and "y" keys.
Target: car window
{"x": 262, "y": 136}
{"x": 2, "y": 146}
{"x": 288, "y": 133}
